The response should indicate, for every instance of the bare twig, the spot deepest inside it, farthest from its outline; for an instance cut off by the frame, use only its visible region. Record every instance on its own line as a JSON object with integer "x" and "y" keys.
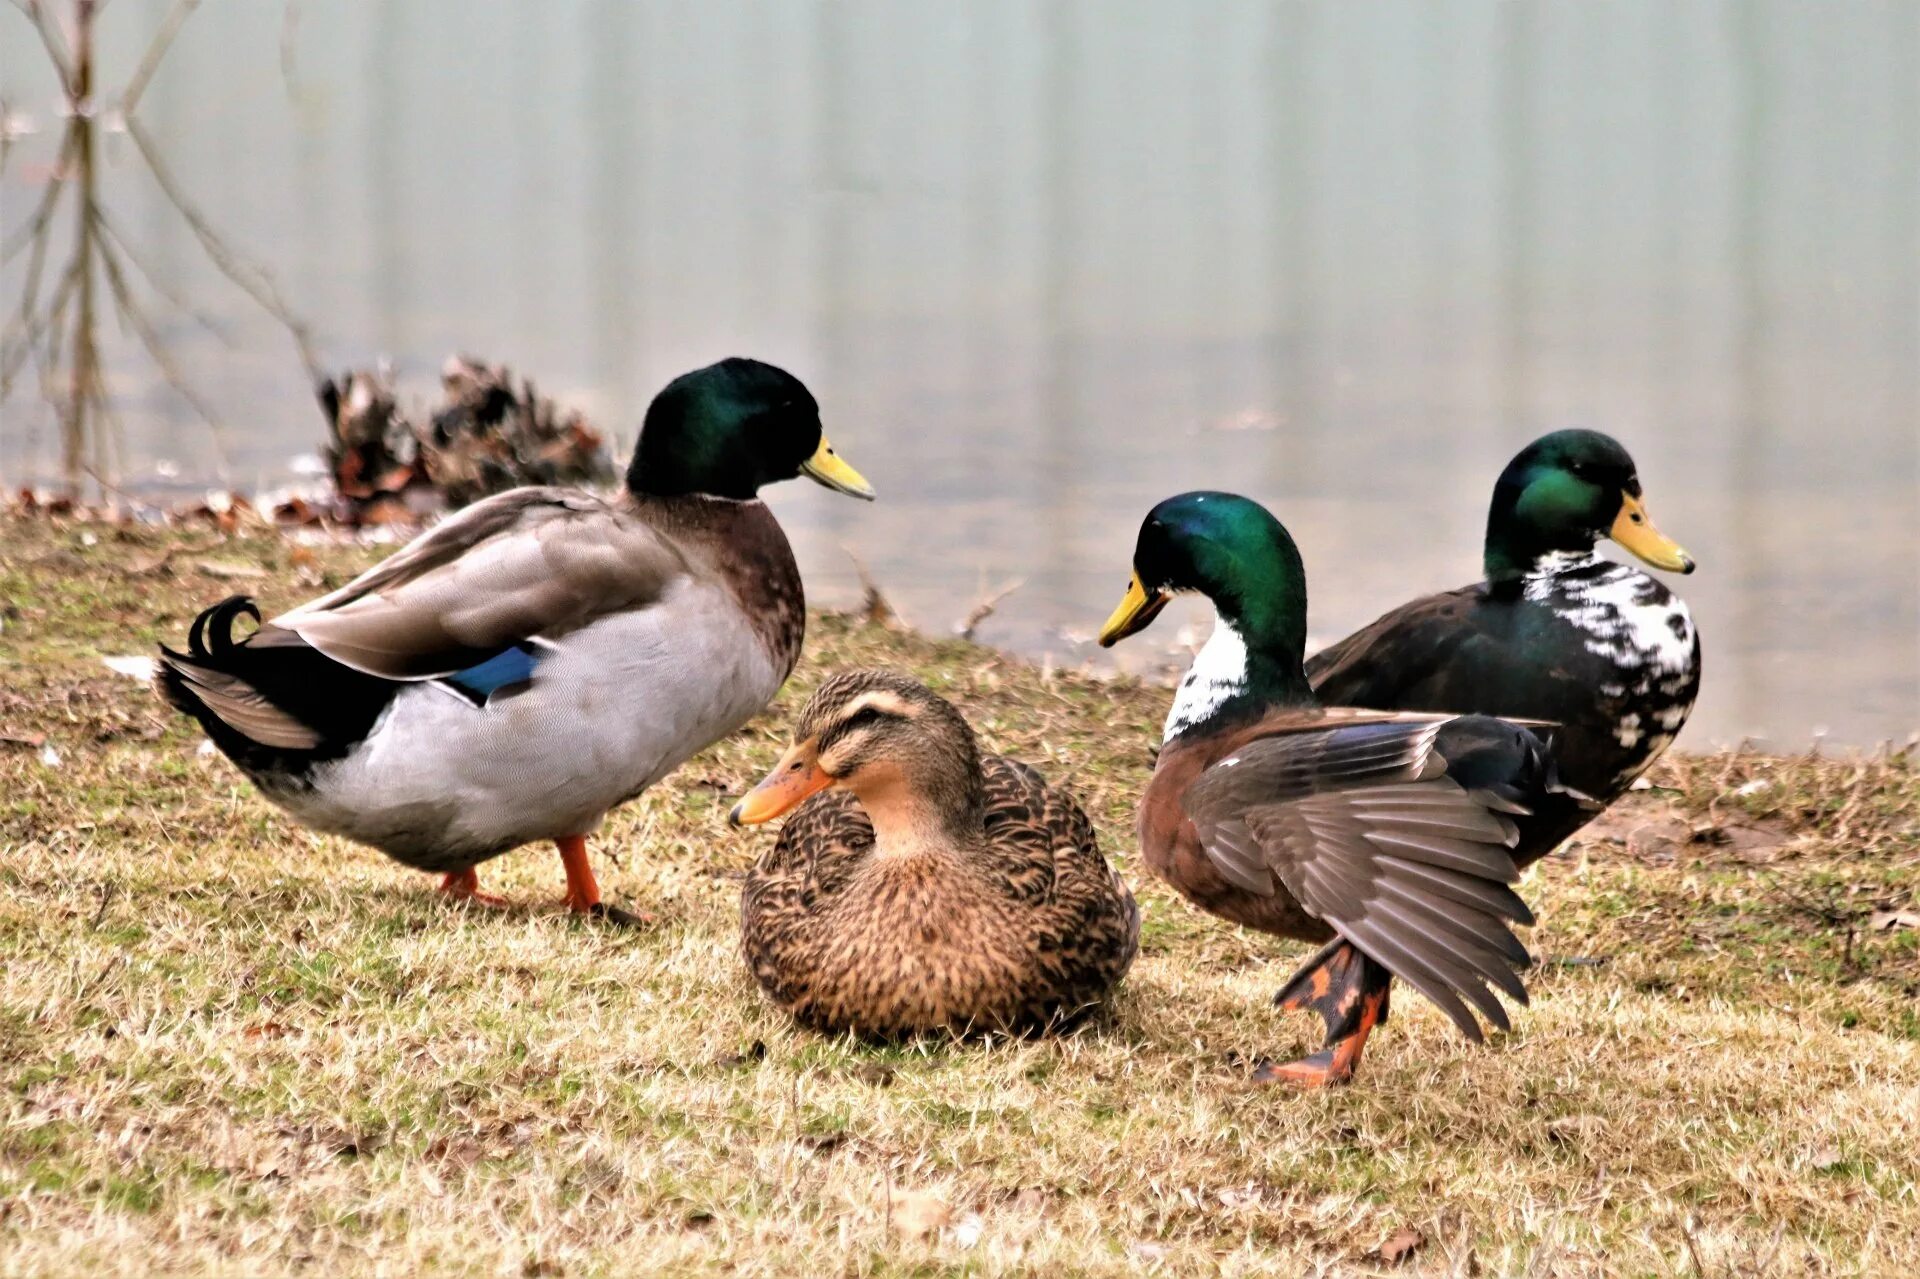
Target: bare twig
{"x": 252, "y": 280}
{"x": 34, "y": 229}
{"x": 129, "y": 309}
{"x": 132, "y": 255}
{"x": 874, "y": 608}
{"x": 983, "y": 608}
{"x": 55, "y": 42}
{"x": 156, "y": 50}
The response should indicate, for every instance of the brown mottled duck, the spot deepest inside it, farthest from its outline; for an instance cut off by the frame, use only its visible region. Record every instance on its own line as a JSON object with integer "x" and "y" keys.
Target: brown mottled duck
{"x": 923, "y": 886}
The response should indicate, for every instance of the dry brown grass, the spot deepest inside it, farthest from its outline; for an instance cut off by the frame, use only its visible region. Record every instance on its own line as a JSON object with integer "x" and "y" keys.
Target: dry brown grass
{"x": 230, "y": 1046}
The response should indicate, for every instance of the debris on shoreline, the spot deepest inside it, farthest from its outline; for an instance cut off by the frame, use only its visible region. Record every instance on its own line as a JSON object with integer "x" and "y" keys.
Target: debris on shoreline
{"x": 384, "y": 463}
{"x": 490, "y": 432}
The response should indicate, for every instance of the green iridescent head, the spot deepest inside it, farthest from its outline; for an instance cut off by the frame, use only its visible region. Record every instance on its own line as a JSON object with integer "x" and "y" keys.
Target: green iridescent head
{"x": 1232, "y": 550}
{"x": 728, "y": 429}
{"x": 1564, "y": 492}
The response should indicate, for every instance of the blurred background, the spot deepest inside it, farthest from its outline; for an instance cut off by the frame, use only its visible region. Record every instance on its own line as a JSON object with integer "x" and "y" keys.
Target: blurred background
{"x": 1044, "y": 264}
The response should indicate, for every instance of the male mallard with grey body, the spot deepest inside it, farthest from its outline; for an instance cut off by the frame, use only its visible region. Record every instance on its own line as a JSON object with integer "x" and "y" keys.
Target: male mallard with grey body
{"x": 539, "y": 658}
{"x": 1393, "y": 837}
{"x": 926, "y": 887}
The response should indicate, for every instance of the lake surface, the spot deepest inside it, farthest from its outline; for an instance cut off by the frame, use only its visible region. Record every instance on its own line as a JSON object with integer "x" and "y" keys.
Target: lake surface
{"x": 1046, "y": 264}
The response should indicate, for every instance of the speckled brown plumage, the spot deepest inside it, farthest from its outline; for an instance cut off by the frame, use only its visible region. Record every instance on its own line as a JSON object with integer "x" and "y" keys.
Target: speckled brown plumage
{"x": 1023, "y": 928}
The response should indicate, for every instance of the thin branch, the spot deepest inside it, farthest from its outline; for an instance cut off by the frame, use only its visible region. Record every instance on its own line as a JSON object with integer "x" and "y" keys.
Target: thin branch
{"x": 251, "y": 280}
{"x": 136, "y": 319}
{"x": 35, "y": 225}
{"x": 156, "y": 50}
{"x": 132, "y": 255}
{"x": 55, "y": 42}
{"x": 49, "y": 322}
{"x": 983, "y": 608}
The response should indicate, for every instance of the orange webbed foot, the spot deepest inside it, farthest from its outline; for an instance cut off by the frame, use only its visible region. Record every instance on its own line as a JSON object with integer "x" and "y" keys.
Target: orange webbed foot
{"x": 464, "y": 885}
{"x": 1349, "y": 991}
{"x": 583, "y": 891}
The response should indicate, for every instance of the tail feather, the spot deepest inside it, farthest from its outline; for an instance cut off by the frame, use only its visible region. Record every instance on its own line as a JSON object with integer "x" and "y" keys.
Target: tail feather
{"x": 259, "y": 702}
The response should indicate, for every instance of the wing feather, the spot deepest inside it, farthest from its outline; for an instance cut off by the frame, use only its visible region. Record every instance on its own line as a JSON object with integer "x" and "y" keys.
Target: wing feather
{"x": 527, "y": 563}
{"x": 1363, "y": 824}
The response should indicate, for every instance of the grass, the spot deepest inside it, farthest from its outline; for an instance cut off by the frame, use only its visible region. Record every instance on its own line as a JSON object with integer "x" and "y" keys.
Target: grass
{"x": 230, "y": 1046}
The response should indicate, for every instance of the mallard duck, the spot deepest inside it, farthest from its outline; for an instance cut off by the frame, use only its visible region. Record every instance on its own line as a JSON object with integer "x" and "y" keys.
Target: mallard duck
{"x": 1555, "y": 632}
{"x": 922, "y": 886}
{"x": 1392, "y": 837}
{"x": 539, "y": 658}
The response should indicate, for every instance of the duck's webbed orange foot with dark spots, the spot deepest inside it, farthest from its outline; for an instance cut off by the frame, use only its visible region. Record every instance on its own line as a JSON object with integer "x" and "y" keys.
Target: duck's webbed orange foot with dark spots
{"x": 583, "y": 891}
{"x": 464, "y": 885}
{"x": 1349, "y": 991}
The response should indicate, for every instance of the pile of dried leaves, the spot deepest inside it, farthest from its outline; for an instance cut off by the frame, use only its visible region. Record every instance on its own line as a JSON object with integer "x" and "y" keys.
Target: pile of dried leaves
{"x": 489, "y": 433}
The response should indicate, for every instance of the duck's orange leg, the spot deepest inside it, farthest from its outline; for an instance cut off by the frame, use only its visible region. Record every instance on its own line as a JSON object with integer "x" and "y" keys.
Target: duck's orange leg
{"x": 583, "y": 891}
{"x": 464, "y": 885}
{"x": 1349, "y": 991}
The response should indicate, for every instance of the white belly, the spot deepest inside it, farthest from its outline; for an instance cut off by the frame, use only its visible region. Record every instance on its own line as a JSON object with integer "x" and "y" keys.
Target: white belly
{"x": 441, "y": 783}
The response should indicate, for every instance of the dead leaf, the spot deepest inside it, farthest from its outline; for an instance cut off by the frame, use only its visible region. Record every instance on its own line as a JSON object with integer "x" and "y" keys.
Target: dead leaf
{"x": 231, "y": 571}
{"x": 917, "y": 1213}
{"x": 1028, "y": 1199}
{"x": 1885, "y": 921}
{"x": 1401, "y": 1245}
{"x": 1571, "y": 1129}
{"x": 35, "y": 740}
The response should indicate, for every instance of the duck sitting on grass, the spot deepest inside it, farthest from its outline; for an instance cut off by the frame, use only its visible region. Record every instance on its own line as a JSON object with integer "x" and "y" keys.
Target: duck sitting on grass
{"x": 929, "y": 887}
{"x": 537, "y": 659}
{"x": 1393, "y": 837}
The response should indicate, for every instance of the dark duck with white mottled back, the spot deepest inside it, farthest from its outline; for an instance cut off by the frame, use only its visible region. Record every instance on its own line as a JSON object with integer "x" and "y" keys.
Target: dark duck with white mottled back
{"x": 921, "y": 886}
{"x": 1394, "y": 837}
{"x": 539, "y": 658}
{"x": 1555, "y": 632}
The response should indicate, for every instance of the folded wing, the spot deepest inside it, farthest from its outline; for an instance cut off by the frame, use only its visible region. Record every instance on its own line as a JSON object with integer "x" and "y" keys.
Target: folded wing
{"x": 531, "y": 562}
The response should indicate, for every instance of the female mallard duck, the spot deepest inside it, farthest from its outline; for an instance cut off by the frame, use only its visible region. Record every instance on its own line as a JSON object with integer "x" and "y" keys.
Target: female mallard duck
{"x": 1554, "y": 632}
{"x": 936, "y": 888}
{"x": 539, "y": 658}
{"x": 1392, "y": 836}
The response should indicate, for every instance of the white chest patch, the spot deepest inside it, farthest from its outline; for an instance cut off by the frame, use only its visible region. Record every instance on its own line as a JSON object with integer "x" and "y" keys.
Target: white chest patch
{"x": 1624, "y": 614}
{"x": 1644, "y": 632}
{"x": 1219, "y": 671}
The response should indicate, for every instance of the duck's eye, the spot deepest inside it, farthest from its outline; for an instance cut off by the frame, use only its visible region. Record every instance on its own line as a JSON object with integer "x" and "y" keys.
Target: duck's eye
{"x": 863, "y": 717}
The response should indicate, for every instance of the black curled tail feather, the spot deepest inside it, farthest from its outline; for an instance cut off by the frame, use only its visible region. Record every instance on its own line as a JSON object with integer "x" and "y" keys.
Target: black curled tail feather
{"x": 219, "y": 621}
{"x": 272, "y": 707}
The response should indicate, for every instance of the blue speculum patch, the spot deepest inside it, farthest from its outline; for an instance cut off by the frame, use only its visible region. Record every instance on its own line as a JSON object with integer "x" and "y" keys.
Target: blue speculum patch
{"x": 504, "y": 670}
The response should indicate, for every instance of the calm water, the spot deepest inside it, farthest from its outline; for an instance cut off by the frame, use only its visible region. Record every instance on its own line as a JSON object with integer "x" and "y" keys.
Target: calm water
{"x": 1045, "y": 264}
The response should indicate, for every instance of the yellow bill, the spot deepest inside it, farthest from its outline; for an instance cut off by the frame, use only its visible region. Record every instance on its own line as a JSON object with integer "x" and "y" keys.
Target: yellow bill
{"x": 1134, "y": 613}
{"x": 1633, "y": 529}
{"x": 830, "y": 469}
{"x": 796, "y": 776}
